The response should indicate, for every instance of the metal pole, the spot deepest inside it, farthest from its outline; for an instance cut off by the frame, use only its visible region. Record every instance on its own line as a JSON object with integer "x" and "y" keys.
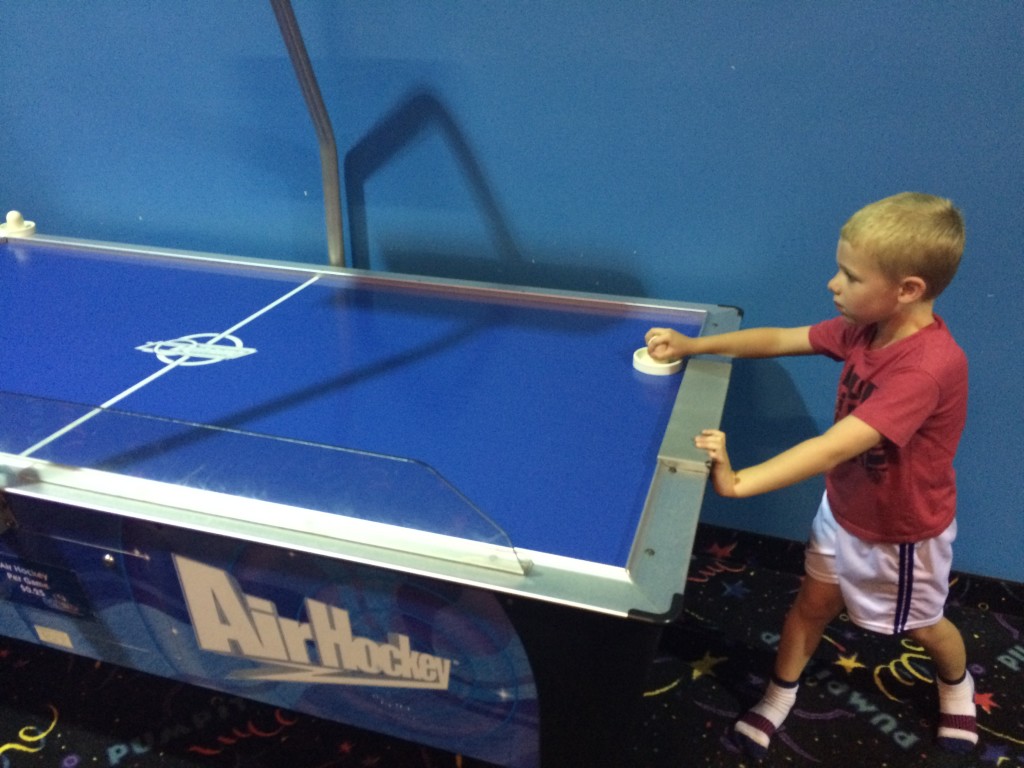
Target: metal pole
{"x": 322, "y": 122}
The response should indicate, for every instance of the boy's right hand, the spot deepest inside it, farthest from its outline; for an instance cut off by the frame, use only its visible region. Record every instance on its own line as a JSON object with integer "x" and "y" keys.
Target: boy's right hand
{"x": 666, "y": 345}
{"x": 712, "y": 441}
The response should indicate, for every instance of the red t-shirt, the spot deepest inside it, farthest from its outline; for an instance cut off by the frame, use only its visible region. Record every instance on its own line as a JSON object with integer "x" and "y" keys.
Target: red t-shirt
{"x": 914, "y": 392}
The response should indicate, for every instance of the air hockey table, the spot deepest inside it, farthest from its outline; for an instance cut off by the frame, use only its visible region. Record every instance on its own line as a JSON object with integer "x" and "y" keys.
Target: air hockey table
{"x": 450, "y": 512}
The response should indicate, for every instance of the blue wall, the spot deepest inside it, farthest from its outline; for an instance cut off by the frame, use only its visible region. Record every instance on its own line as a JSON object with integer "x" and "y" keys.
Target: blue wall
{"x": 696, "y": 151}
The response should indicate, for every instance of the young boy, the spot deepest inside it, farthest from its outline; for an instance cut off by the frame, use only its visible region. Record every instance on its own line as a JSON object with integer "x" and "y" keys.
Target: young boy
{"x": 881, "y": 542}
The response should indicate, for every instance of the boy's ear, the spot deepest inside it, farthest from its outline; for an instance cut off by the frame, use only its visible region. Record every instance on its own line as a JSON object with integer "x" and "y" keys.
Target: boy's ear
{"x": 912, "y": 289}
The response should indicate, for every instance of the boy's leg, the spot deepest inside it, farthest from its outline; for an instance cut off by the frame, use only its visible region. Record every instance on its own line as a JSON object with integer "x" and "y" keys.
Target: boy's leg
{"x": 957, "y": 711}
{"x": 817, "y": 603}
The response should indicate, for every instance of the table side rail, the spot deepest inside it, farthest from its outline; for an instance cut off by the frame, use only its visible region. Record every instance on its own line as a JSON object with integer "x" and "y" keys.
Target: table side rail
{"x": 238, "y": 516}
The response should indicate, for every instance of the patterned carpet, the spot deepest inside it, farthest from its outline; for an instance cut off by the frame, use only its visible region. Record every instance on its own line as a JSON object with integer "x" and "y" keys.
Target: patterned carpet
{"x": 866, "y": 700}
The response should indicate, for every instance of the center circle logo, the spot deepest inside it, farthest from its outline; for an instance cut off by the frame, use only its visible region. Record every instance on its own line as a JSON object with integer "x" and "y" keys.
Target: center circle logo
{"x": 198, "y": 349}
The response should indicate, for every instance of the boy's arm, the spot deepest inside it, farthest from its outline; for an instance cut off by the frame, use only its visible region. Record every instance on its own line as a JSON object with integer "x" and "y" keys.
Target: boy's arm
{"x": 668, "y": 344}
{"x": 845, "y": 439}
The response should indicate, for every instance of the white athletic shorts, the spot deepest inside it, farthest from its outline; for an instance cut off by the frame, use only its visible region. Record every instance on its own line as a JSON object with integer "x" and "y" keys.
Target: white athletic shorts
{"x": 887, "y": 588}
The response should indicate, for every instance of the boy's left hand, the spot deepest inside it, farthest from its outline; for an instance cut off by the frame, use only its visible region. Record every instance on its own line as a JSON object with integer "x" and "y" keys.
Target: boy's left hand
{"x": 722, "y": 477}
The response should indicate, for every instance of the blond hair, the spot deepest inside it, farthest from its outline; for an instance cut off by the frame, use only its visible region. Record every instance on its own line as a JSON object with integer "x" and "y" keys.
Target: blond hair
{"x": 910, "y": 235}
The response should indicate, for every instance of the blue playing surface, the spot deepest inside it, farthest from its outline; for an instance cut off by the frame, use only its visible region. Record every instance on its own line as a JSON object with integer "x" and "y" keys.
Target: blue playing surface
{"x": 527, "y": 407}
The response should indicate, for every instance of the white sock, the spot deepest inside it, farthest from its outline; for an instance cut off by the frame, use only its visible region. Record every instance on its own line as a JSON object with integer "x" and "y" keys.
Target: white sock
{"x": 957, "y": 715}
{"x": 758, "y": 725}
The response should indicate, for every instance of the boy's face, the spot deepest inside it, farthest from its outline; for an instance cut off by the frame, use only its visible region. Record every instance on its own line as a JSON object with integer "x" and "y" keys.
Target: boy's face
{"x": 861, "y": 292}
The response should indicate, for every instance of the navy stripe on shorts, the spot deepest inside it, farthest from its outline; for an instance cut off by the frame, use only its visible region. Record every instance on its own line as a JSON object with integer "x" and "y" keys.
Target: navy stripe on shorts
{"x": 905, "y": 588}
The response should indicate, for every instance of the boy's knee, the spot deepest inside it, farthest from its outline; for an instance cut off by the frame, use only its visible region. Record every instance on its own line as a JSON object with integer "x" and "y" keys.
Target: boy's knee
{"x": 940, "y": 629}
{"x": 819, "y": 602}
{"x": 921, "y": 635}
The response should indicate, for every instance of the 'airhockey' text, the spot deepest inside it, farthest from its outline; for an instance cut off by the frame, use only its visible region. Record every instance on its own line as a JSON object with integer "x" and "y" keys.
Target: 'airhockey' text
{"x": 227, "y": 621}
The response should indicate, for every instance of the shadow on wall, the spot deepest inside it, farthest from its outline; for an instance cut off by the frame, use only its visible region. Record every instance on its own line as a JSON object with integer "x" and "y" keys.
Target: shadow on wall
{"x": 765, "y": 415}
{"x": 420, "y": 113}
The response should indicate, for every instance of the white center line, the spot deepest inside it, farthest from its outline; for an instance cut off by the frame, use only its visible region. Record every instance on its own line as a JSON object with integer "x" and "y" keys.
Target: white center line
{"x": 154, "y": 376}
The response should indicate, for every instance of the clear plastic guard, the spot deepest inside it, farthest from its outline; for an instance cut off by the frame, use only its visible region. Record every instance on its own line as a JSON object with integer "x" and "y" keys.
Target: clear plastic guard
{"x": 383, "y": 501}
